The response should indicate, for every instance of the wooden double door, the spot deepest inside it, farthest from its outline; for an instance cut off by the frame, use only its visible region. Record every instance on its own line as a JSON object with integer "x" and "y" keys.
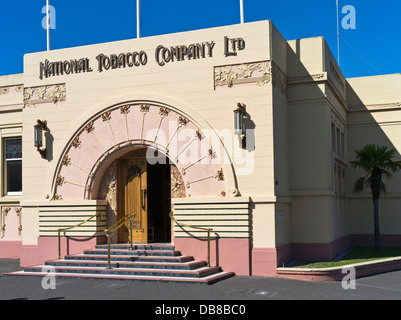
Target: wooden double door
{"x": 144, "y": 190}
{"x": 133, "y": 199}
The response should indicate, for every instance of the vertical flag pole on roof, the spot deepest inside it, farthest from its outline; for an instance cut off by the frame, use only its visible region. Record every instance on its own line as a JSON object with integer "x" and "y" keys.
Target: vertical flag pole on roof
{"x": 241, "y": 8}
{"x": 47, "y": 25}
{"x": 138, "y": 18}
{"x": 338, "y": 36}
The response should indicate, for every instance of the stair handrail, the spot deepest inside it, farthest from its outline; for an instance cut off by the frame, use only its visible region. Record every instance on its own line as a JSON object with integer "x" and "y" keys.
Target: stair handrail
{"x": 109, "y": 231}
{"x": 198, "y": 228}
{"x": 100, "y": 215}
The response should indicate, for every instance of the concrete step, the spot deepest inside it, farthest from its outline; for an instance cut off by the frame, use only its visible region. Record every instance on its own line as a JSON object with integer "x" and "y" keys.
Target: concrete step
{"x": 134, "y": 252}
{"x": 194, "y": 264}
{"x": 197, "y": 273}
{"x": 154, "y": 258}
{"x": 204, "y": 280}
{"x": 136, "y": 246}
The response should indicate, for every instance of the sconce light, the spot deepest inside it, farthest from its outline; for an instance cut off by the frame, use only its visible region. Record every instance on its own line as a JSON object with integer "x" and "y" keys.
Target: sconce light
{"x": 39, "y": 138}
{"x": 239, "y": 123}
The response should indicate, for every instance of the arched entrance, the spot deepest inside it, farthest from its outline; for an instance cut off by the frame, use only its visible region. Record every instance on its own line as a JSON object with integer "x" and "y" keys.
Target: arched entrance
{"x": 90, "y": 165}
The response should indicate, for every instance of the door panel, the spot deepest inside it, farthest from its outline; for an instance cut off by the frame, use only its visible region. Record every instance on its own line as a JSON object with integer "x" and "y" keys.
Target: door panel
{"x": 134, "y": 199}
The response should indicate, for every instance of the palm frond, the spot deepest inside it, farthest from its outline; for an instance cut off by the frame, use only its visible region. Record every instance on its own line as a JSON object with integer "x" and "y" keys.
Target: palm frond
{"x": 386, "y": 173}
{"x": 383, "y": 189}
{"x": 360, "y": 185}
{"x": 372, "y": 157}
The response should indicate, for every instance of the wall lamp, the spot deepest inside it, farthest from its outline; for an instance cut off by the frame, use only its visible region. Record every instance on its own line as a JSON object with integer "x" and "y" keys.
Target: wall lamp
{"x": 239, "y": 123}
{"x": 39, "y": 137}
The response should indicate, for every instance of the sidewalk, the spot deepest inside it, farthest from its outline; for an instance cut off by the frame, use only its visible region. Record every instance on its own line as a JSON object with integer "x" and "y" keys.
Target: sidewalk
{"x": 384, "y": 286}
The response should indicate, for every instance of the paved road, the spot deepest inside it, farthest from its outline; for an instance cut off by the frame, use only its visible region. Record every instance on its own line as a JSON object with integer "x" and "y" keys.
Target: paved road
{"x": 379, "y": 287}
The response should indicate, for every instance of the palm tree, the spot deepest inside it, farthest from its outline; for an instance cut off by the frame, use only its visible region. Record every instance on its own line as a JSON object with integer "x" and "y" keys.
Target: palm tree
{"x": 376, "y": 161}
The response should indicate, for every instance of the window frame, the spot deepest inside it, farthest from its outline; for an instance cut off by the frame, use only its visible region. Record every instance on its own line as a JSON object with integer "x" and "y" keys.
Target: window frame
{"x": 5, "y": 161}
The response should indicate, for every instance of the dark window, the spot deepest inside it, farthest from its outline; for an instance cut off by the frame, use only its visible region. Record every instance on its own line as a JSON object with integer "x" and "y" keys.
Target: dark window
{"x": 13, "y": 166}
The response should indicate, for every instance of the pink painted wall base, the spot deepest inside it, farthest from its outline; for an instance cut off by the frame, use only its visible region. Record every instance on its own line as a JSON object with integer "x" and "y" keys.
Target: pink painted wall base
{"x": 47, "y": 249}
{"x": 230, "y": 254}
{"x": 10, "y": 249}
{"x": 233, "y": 255}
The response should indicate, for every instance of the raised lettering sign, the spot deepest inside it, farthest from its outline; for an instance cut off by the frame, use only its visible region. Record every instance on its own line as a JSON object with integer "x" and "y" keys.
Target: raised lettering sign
{"x": 163, "y": 55}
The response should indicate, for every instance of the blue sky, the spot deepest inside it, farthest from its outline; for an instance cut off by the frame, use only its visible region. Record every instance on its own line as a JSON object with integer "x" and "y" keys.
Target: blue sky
{"x": 370, "y": 49}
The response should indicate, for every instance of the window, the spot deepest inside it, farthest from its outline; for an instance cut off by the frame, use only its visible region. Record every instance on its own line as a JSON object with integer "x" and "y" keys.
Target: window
{"x": 338, "y": 141}
{"x": 342, "y": 145}
{"x": 12, "y": 166}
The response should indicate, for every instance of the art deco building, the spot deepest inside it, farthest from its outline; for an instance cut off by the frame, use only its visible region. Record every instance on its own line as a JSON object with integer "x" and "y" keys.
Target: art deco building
{"x": 231, "y": 128}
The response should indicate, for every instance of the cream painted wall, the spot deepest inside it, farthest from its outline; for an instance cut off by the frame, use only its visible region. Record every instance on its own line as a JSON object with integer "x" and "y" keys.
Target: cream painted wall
{"x": 316, "y": 98}
{"x": 374, "y": 117}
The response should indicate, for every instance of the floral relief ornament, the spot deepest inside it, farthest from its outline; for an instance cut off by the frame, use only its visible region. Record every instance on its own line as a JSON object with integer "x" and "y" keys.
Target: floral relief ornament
{"x": 89, "y": 127}
{"x": 28, "y": 92}
{"x": 246, "y": 70}
{"x": 124, "y": 109}
{"x": 228, "y": 75}
{"x": 76, "y": 143}
{"x": 59, "y": 180}
{"x": 106, "y": 116}
{"x": 182, "y": 121}
{"x": 57, "y": 93}
{"x": 40, "y": 91}
{"x": 4, "y": 90}
{"x": 264, "y": 67}
{"x": 164, "y": 112}
{"x": 144, "y": 108}
{"x": 199, "y": 135}
{"x": 219, "y": 175}
{"x": 66, "y": 160}
{"x": 57, "y": 197}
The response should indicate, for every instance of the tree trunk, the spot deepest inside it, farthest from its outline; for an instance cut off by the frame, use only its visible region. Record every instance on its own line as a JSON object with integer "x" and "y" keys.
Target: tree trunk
{"x": 375, "y": 185}
{"x": 376, "y": 223}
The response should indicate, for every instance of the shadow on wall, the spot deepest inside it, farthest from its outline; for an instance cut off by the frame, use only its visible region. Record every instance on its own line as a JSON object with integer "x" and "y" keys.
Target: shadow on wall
{"x": 378, "y": 123}
{"x": 313, "y": 100}
{"x": 49, "y": 145}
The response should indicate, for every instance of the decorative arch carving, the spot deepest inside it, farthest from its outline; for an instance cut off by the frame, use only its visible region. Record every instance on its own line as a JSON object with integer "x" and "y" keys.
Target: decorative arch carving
{"x": 123, "y": 127}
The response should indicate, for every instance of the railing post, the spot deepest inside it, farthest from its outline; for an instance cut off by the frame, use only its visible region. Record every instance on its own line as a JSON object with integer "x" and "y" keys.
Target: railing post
{"x": 59, "y": 245}
{"x": 108, "y": 251}
{"x": 131, "y": 229}
{"x": 208, "y": 247}
{"x": 199, "y": 228}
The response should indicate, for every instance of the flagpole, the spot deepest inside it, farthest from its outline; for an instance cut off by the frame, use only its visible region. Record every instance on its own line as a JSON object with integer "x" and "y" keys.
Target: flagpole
{"x": 138, "y": 19}
{"x": 241, "y": 7}
{"x": 47, "y": 25}
{"x": 338, "y": 36}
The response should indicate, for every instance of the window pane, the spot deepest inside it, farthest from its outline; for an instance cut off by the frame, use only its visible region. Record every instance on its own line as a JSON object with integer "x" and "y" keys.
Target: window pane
{"x": 13, "y": 148}
{"x": 338, "y": 141}
{"x": 14, "y": 176}
{"x": 342, "y": 144}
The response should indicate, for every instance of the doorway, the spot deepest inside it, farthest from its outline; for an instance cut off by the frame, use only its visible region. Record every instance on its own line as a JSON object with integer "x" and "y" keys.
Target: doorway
{"x": 159, "y": 203}
{"x": 144, "y": 190}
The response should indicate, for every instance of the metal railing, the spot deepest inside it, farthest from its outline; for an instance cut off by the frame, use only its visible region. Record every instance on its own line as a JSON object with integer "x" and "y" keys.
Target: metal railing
{"x": 100, "y": 215}
{"x": 198, "y": 228}
{"x": 114, "y": 228}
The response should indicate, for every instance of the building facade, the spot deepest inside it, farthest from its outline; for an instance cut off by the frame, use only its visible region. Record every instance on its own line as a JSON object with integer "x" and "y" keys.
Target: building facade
{"x": 146, "y": 127}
